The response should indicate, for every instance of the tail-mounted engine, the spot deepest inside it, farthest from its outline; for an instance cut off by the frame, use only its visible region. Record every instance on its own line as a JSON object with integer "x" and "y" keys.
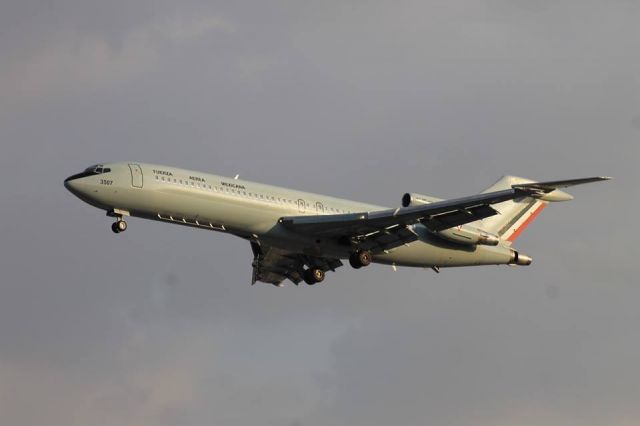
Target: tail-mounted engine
{"x": 468, "y": 236}
{"x": 410, "y": 199}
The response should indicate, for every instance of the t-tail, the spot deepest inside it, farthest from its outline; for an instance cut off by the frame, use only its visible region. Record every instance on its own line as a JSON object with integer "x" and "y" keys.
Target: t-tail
{"x": 515, "y": 215}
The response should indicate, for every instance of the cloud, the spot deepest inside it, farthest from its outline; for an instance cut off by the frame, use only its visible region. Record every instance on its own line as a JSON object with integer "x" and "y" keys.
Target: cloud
{"x": 75, "y": 62}
{"x": 168, "y": 374}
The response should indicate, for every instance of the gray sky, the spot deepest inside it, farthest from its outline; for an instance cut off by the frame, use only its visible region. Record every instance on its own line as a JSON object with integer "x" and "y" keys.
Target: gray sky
{"x": 365, "y": 100}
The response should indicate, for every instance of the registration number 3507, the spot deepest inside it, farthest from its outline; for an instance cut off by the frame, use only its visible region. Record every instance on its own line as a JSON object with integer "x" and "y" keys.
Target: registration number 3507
{"x": 106, "y": 182}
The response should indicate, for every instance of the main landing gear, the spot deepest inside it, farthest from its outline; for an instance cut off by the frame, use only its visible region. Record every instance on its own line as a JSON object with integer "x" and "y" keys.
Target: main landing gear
{"x": 360, "y": 258}
{"x": 119, "y": 226}
{"x": 313, "y": 275}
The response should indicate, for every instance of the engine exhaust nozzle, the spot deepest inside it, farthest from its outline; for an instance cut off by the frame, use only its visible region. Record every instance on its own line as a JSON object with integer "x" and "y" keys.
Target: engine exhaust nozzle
{"x": 520, "y": 259}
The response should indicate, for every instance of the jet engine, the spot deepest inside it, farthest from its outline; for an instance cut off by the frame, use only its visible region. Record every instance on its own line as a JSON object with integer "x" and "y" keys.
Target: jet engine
{"x": 518, "y": 258}
{"x": 468, "y": 235}
{"x": 410, "y": 199}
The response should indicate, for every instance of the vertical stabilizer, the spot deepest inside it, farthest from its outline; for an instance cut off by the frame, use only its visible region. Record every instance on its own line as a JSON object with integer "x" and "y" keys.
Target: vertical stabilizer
{"x": 514, "y": 215}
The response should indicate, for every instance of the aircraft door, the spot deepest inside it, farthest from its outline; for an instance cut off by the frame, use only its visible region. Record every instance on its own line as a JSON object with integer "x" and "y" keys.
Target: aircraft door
{"x": 319, "y": 208}
{"x": 301, "y": 206}
{"x": 136, "y": 175}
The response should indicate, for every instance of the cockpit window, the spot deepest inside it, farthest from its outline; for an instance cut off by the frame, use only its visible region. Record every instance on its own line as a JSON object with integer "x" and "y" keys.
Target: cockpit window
{"x": 97, "y": 169}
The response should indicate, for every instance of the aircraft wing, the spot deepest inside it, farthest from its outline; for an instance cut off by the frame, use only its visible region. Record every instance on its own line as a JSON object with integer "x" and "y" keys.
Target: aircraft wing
{"x": 437, "y": 216}
{"x": 274, "y": 265}
{"x": 386, "y": 229}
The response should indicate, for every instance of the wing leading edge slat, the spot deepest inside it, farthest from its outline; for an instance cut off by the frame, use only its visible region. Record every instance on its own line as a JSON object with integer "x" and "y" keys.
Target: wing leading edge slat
{"x": 273, "y": 265}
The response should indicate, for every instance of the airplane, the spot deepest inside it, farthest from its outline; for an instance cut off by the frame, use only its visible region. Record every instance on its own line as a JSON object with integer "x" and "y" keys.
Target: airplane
{"x": 300, "y": 236}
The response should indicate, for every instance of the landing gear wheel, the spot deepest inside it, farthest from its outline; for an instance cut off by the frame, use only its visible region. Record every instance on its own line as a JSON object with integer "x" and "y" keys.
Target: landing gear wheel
{"x": 313, "y": 276}
{"x": 360, "y": 258}
{"x": 119, "y": 226}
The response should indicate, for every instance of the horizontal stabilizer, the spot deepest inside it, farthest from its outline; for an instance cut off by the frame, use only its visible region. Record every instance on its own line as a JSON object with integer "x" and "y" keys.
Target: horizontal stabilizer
{"x": 515, "y": 215}
{"x": 552, "y": 185}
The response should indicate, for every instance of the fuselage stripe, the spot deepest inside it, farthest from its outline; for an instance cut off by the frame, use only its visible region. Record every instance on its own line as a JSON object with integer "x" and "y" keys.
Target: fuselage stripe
{"x": 526, "y": 223}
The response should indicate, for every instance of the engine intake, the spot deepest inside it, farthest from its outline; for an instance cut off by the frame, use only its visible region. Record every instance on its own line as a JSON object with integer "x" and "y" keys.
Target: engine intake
{"x": 411, "y": 199}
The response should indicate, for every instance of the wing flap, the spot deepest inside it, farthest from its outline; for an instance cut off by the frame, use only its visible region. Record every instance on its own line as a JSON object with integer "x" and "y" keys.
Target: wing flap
{"x": 273, "y": 265}
{"x": 459, "y": 217}
{"x": 387, "y": 239}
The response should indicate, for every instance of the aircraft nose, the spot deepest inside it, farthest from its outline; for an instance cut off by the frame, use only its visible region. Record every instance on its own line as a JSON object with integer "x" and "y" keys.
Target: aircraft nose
{"x": 74, "y": 177}
{"x": 71, "y": 183}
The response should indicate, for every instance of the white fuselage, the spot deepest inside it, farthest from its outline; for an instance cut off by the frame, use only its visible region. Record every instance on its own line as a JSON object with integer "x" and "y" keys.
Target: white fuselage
{"x": 252, "y": 211}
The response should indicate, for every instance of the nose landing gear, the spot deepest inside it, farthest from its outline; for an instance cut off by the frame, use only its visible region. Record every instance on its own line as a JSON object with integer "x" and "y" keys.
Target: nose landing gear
{"x": 119, "y": 226}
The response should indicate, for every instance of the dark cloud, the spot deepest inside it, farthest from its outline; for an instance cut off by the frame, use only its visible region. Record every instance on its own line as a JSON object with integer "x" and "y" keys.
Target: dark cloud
{"x": 365, "y": 101}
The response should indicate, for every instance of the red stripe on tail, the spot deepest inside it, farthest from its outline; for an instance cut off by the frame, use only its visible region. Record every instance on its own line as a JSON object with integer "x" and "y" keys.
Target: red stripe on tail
{"x": 526, "y": 223}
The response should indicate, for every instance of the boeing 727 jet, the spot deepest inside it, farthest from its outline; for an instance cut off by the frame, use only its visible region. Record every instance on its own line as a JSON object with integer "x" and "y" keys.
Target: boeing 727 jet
{"x": 300, "y": 236}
